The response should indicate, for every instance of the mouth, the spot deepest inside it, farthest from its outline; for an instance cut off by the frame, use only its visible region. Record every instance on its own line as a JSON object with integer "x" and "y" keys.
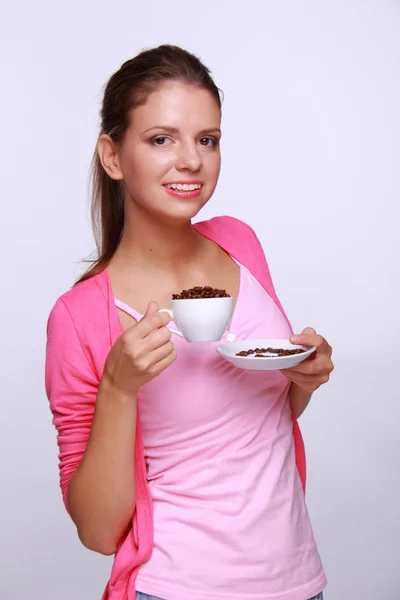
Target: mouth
{"x": 184, "y": 189}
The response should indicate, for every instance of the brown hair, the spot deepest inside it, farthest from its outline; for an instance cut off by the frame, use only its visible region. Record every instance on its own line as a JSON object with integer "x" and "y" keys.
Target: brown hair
{"x": 127, "y": 88}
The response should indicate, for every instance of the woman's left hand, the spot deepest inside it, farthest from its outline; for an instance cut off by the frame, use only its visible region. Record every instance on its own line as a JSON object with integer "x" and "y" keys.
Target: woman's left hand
{"x": 315, "y": 370}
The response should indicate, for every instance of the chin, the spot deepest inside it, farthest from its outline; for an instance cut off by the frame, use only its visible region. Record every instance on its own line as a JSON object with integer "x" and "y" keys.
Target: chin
{"x": 180, "y": 213}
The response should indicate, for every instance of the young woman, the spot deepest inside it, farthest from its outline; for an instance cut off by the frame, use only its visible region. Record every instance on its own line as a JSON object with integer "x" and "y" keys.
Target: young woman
{"x": 191, "y": 471}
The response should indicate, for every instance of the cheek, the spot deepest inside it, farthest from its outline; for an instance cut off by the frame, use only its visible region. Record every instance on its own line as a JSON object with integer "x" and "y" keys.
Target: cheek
{"x": 144, "y": 166}
{"x": 213, "y": 164}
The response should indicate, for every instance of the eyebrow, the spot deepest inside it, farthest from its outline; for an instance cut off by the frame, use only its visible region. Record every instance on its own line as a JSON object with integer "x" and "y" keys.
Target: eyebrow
{"x": 176, "y": 130}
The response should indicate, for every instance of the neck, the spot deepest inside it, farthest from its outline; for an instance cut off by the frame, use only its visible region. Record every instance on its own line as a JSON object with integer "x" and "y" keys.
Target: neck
{"x": 148, "y": 242}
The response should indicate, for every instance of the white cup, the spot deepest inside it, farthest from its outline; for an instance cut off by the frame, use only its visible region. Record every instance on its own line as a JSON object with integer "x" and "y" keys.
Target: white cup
{"x": 201, "y": 319}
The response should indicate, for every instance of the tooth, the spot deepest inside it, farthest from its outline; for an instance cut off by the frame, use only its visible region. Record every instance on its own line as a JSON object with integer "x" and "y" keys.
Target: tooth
{"x": 186, "y": 187}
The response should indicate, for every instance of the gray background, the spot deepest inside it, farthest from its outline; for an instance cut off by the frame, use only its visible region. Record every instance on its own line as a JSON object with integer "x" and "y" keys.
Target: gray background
{"x": 310, "y": 160}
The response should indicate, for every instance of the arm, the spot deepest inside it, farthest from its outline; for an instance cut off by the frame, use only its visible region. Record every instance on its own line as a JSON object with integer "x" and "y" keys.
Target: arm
{"x": 101, "y": 494}
{"x": 310, "y": 374}
{"x": 299, "y": 399}
{"x": 96, "y": 421}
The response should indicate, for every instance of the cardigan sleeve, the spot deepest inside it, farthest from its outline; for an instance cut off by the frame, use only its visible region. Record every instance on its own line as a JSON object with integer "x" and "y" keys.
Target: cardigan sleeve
{"x": 71, "y": 386}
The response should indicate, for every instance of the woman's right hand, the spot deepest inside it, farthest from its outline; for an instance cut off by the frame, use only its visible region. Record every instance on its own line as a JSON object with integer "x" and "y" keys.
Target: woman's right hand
{"x": 141, "y": 353}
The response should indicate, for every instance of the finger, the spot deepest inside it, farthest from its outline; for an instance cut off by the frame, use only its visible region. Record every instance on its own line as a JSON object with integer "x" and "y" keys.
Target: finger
{"x": 298, "y": 378}
{"x": 144, "y": 360}
{"x": 160, "y": 353}
{"x": 151, "y": 322}
{"x": 304, "y": 379}
{"x": 310, "y": 337}
{"x": 164, "y": 363}
{"x": 151, "y": 309}
{"x": 309, "y": 340}
{"x": 308, "y": 330}
{"x": 156, "y": 339}
{"x": 314, "y": 367}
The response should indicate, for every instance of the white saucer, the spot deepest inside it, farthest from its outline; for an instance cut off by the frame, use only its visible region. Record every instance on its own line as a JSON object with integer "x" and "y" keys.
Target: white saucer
{"x": 271, "y": 363}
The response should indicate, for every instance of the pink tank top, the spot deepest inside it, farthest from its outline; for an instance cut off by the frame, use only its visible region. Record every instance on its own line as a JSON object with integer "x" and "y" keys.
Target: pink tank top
{"x": 230, "y": 520}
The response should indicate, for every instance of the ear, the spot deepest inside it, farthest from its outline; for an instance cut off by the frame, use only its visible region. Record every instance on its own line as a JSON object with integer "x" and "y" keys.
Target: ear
{"x": 109, "y": 158}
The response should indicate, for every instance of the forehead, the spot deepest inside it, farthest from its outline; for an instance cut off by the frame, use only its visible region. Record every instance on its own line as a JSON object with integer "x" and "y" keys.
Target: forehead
{"x": 179, "y": 105}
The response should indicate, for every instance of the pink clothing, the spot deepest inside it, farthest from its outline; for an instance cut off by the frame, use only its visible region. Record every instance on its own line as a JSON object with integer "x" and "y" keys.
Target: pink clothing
{"x": 230, "y": 519}
{"x": 82, "y": 327}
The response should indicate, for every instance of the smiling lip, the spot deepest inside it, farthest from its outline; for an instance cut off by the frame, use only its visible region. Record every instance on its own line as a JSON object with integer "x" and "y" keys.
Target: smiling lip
{"x": 184, "y": 181}
{"x": 184, "y": 193}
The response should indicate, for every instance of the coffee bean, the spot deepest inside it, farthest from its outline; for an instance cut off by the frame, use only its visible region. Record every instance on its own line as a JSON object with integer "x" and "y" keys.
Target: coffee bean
{"x": 260, "y": 352}
{"x": 200, "y": 292}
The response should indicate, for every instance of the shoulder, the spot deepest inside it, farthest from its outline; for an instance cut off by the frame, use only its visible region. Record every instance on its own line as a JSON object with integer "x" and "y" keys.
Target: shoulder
{"x": 225, "y": 223}
{"x": 79, "y": 324}
{"x": 85, "y": 303}
{"x": 225, "y": 227}
{"x": 81, "y": 296}
{"x": 233, "y": 235}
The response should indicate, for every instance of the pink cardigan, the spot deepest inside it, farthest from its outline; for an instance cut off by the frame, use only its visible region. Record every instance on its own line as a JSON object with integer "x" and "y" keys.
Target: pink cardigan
{"x": 82, "y": 327}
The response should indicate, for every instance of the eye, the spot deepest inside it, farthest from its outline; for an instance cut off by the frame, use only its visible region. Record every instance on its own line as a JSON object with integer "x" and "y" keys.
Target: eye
{"x": 208, "y": 142}
{"x": 161, "y": 140}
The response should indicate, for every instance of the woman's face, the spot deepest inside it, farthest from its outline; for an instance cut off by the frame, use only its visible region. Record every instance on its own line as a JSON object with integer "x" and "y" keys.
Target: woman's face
{"x": 170, "y": 157}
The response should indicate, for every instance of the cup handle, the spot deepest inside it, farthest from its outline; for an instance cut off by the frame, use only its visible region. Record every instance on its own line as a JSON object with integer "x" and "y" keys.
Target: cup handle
{"x": 171, "y": 314}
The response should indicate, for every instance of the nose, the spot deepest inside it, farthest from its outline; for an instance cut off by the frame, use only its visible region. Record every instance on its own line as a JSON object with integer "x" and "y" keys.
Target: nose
{"x": 189, "y": 158}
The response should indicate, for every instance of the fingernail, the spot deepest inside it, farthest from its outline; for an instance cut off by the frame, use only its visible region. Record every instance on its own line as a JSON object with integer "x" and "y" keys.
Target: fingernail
{"x": 295, "y": 339}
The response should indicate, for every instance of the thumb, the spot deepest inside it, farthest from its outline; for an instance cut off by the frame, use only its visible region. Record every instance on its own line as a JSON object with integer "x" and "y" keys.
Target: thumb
{"x": 309, "y": 330}
{"x": 298, "y": 337}
{"x": 151, "y": 309}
